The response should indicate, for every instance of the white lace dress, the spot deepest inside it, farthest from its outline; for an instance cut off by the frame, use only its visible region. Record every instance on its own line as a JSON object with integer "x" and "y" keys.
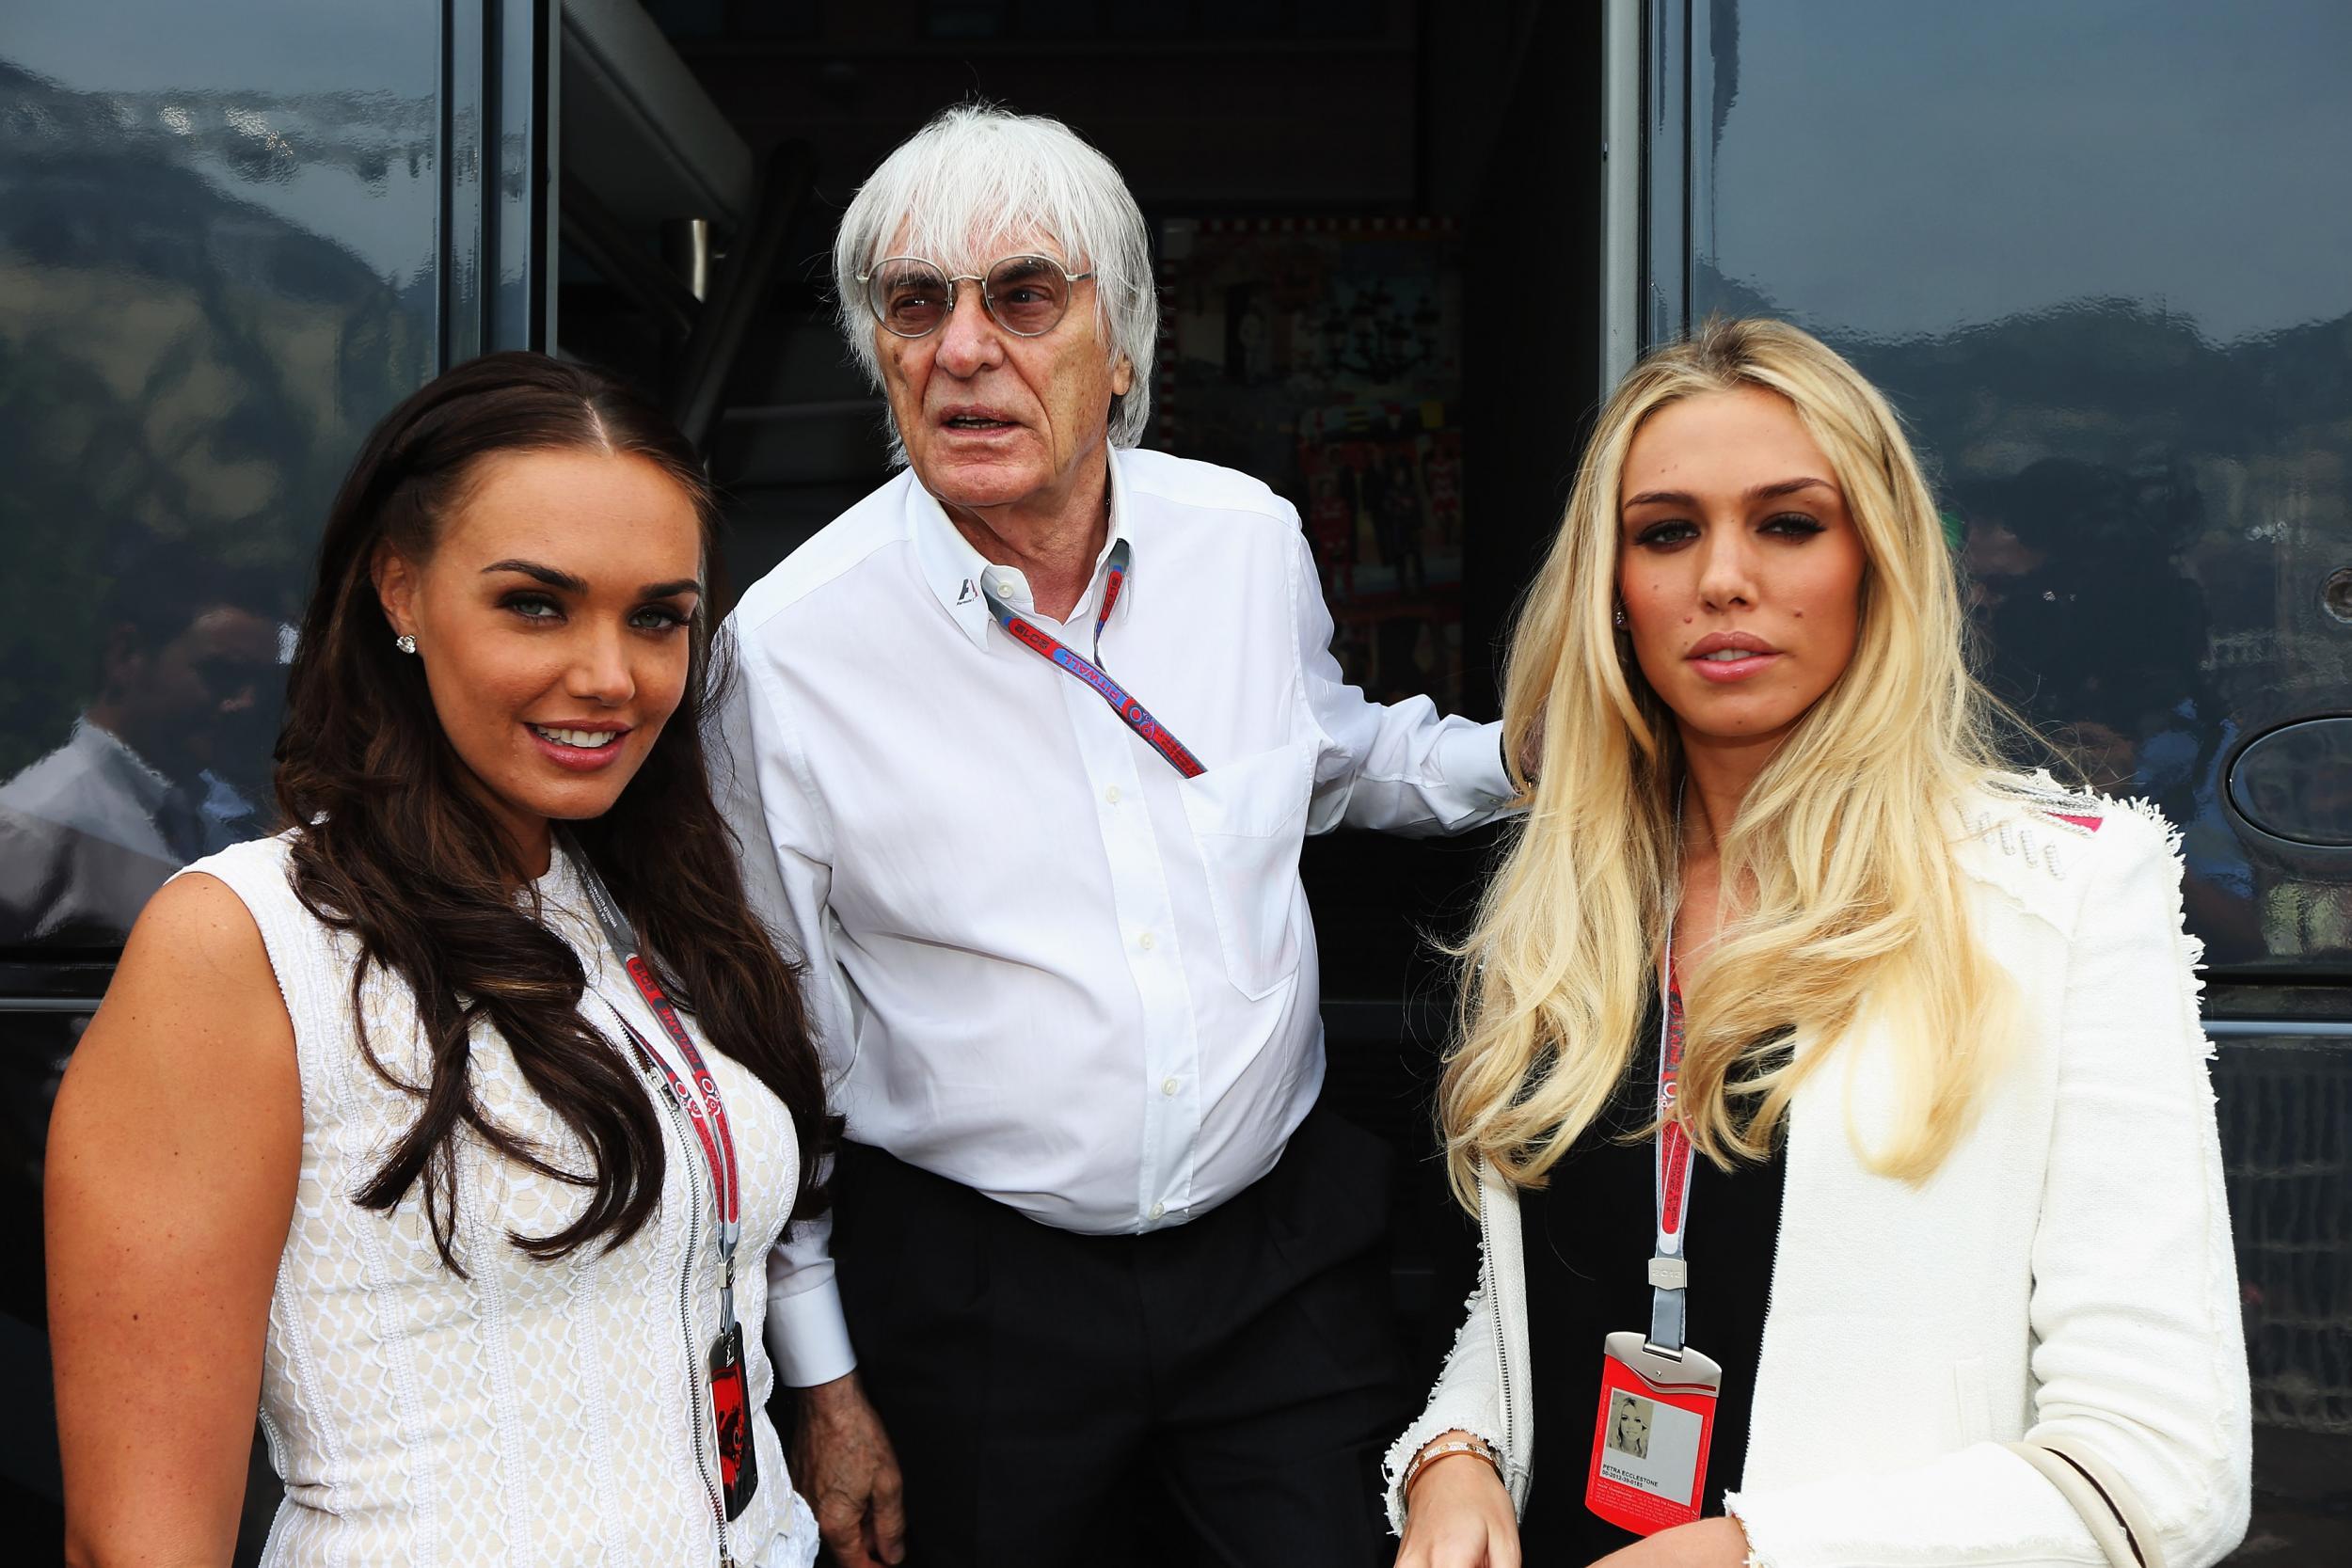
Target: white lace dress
{"x": 531, "y": 1414}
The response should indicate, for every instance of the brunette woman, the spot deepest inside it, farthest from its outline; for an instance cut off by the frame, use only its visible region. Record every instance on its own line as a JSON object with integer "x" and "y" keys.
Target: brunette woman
{"x": 1785, "y": 961}
{"x": 451, "y": 1127}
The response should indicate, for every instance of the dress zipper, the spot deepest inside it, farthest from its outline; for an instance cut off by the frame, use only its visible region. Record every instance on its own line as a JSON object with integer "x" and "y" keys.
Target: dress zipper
{"x": 1494, "y": 1312}
{"x": 686, "y": 1309}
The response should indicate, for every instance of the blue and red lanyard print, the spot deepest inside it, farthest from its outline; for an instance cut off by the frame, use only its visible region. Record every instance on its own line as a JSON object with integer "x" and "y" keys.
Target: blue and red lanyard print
{"x": 1139, "y": 717}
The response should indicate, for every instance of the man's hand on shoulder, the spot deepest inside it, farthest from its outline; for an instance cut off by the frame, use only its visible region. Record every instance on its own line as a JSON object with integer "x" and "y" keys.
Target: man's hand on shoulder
{"x": 843, "y": 1463}
{"x": 1531, "y": 751}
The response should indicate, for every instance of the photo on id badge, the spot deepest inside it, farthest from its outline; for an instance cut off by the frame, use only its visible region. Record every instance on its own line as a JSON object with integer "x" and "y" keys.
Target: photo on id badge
{"x": 1650, "y": 1446}
{"x": 1628, "y": 1425}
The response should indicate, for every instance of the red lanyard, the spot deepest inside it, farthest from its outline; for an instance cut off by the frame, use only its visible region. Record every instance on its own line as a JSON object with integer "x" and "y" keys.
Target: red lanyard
{"x": 730, "y": 1383}
{"x": 1668, "y": 1269}
{"x": 1674, "y": 1142}
{"x": 704, "y": 1107}
{"x": 1137, "y": 716}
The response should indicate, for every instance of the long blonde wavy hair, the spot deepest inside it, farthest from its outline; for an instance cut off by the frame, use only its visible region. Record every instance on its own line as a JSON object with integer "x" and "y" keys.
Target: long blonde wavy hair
{"x": 1841, "y": 896}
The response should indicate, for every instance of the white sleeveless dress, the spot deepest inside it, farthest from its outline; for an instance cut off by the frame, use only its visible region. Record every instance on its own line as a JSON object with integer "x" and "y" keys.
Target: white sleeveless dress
{"x": 531, "y": 1414}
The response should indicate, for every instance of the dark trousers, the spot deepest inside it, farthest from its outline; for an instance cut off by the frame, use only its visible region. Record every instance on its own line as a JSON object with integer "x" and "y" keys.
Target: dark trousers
{"x": 1048, "y": 1394}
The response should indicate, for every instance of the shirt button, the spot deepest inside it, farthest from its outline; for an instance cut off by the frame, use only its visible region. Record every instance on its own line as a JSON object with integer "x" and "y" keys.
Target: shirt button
{"x": 1144, "y": 942}
{"x": 1169, "y": 1088}
{"x": 1111, "y": 794}
{"x": 1159, "y": 1211}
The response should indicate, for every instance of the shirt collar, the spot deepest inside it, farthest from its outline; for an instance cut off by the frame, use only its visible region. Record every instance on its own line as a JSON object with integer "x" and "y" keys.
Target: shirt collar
{"x": 107, "y": 754}
{"x": 954, "y": 570}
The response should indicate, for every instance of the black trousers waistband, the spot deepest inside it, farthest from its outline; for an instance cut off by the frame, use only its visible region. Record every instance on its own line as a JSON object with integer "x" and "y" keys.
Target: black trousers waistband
{"x": 1046, "y": 1389}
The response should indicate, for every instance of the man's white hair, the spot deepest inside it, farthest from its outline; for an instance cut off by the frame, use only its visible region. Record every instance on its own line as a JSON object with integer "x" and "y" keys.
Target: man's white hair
{"x": 978, "y": 182}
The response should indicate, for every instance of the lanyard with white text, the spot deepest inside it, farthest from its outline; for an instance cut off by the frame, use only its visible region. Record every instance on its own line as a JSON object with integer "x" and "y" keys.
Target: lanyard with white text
{"x": 1137, "y": 716}
{"x": 730, "y": 1390}
{"x": 1669, "y": 1272}
{"x": 703, "y": 1108}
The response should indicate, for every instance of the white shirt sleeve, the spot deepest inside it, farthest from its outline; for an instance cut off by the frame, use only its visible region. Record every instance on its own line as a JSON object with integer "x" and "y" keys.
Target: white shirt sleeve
{"x": 788, "y": 876}
{"x": 1403, "y": 768}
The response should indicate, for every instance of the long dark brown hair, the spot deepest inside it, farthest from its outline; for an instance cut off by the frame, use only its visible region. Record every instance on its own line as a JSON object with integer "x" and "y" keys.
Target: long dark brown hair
{"x": 396, "y": 848}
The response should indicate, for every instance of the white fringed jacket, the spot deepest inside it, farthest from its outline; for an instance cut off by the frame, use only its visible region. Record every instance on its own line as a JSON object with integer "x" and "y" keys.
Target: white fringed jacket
{"x": 2065, "y": 1277}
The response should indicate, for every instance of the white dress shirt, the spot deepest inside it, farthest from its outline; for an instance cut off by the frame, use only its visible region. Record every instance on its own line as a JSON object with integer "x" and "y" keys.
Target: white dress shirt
{"x": 1041, "y": 962}
{"x": 81, "y": 850}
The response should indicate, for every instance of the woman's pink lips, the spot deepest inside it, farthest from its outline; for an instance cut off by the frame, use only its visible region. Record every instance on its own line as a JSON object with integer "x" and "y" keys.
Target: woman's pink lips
{"x": 1724, "y": 670}
{"x": 576, "y": 758}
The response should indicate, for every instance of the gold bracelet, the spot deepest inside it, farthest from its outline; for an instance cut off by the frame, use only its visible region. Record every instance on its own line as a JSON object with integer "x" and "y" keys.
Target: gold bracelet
{"x": 1434, "y": 1451}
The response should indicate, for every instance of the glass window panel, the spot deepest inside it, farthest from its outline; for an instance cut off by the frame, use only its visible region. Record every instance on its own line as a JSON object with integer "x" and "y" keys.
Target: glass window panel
{"x": 217, "y": 238}
{"x": 2094, "y": 254}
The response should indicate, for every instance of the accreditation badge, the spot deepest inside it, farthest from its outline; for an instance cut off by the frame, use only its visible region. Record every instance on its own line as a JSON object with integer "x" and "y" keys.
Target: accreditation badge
{"x": 1651, "y": 1435}
{"x": 731, "y": 1410}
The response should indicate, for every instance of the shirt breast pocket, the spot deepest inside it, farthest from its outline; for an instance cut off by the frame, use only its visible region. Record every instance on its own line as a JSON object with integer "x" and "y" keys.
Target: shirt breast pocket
{"x": 1249, "y": 818}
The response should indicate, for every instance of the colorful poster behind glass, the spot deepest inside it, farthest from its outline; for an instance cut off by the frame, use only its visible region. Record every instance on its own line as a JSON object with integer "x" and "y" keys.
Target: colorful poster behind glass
{"x": 1324, "y": 356}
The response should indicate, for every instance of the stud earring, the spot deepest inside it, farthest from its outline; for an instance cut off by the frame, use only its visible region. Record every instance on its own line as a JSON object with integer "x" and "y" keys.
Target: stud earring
{"x": 1616, "y": 620}
{"x": 404, "y": 642}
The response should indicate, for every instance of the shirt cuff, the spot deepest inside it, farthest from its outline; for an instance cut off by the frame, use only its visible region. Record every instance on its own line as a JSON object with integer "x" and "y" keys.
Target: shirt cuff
{"x": 1471, "y": 757}
{"x": 809, "y": 1339}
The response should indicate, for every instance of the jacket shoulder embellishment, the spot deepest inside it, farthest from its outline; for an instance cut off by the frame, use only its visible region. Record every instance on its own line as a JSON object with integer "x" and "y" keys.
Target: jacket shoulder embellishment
{"x": 2055, "y": 813}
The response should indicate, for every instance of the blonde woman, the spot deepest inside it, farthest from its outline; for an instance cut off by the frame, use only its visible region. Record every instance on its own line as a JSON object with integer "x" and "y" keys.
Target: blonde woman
{"x": 1897, "y": 1234}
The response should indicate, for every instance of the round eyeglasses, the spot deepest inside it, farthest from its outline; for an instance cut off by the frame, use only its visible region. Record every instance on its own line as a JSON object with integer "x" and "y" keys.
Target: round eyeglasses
{"x": 1027, "y": 296}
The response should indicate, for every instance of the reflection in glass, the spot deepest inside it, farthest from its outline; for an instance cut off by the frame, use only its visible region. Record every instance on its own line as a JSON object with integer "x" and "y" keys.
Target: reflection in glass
{"x": 2297, "y": 783}
{"x": 216, "y": 270}
{"x": 2138, "y": 418}
{"x": 165, "y": 766}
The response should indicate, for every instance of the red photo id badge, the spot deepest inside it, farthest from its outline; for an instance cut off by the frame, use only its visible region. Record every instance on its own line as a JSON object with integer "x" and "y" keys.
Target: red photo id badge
{"x": 731, "y": 1406}
{"x": 1650, "y": 1436}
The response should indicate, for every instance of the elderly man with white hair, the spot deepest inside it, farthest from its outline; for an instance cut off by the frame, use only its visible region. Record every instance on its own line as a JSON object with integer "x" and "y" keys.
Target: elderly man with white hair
{"x": 1026, "y": 742}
